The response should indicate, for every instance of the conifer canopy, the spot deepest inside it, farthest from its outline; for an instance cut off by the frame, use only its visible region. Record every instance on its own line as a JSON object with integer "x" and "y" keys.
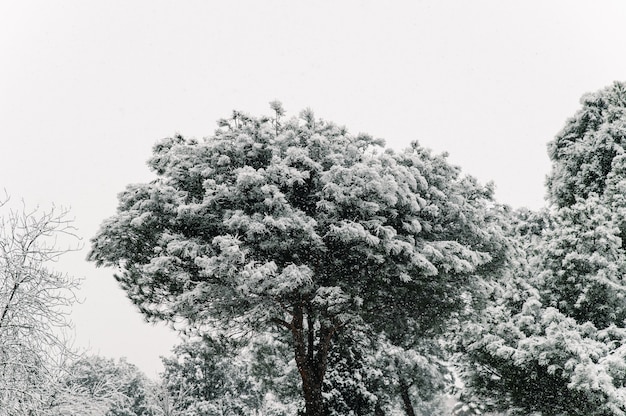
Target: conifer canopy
{"x": 298, "y": 224}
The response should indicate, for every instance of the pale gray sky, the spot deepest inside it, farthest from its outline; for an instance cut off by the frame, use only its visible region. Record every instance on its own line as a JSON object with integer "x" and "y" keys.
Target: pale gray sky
{"x": 87, "y": 87}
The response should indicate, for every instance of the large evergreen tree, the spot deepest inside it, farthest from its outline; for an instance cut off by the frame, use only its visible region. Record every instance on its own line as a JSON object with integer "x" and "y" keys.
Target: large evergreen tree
{"x": 553, "y": 339}
{"x": 298, "y": 225}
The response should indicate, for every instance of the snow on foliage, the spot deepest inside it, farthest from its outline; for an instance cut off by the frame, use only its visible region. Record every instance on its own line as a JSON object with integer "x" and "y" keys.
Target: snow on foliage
{"x": 552, "y": 339}
{"x": 299, "y": 225}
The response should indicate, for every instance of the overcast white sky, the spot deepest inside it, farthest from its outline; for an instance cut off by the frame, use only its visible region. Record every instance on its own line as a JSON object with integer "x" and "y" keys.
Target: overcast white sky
{"x": 86, "y": 88}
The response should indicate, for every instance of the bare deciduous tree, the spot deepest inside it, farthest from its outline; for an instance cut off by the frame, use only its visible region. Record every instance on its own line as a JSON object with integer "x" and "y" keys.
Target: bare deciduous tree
{"x": 35, "y": 302}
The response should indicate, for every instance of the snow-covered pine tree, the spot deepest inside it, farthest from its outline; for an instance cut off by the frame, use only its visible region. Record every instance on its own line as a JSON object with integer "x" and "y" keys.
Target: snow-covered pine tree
{"x": 553, "y": 339}
{"x": 299, "y": 225}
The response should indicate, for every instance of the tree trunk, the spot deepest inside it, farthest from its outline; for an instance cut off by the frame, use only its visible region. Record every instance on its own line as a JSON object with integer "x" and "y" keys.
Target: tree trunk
{"x": 406, "y": 399}
{"x": 311, "y": 354}
{"x": 313, "y": 400}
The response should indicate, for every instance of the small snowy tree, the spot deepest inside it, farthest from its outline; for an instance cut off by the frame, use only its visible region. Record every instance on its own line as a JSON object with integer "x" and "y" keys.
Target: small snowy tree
{"x": 98, "y": 386}
{"x": 214, "y": 375}
{"x": 300, "y": 225}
